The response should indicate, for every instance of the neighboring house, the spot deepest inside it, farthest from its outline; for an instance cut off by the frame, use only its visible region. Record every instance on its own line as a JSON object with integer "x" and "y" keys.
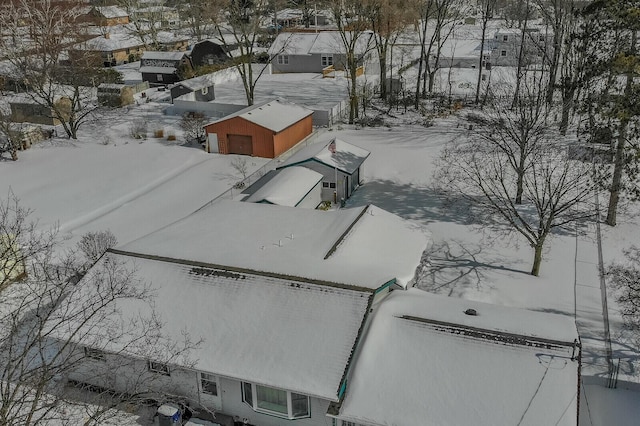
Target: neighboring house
{"x": 162, "y": 68}
{"x": 118, "y": 95}
{"x": 207, "y": 52}
{"x": 425, "y": 362}
{"x": 25, "y": 110}
{"x": 113, "y": 49}
{"x": 199, "y": 89}
{"x": 262, "y": 130}
{"x": 314, "y": 52}
{"x": 506, "y": 45}
{"x": 338, "y": 161}
{"x": 293, "y": 187}
{"x": 106, "y": 16}
{"x": 12, "y": 266}
{"x": 163, "y": 15}
{"x": 170, "y": 41}
{"x": 280, "y": 297}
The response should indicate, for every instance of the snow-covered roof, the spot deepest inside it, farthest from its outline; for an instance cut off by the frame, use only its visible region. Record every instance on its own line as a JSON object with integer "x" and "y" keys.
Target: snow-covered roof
{"x": 505, "y": 366}
{"x": 197, "y": 83}
{"x": 274, "y": 115}
{"x": 275, "y": 331}
{"x": 115, "y": 41}
{"x": 346, "y": 158}
{"x": 364, "y": 247}
{"x": 111, "y": 11}
{"x": 286, "y": 187}
{"x": 317, "y": 43}
{"x": 163, "y": 56}
{"x": 158, "y": 70}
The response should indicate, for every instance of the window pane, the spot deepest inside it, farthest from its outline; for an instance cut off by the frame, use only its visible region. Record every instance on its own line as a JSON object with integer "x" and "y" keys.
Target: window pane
{"x": 300, "y": 405}
{"x": 208, "y": 384}
{"x": 272, "y": 399}
{"x": 247, "y": 395}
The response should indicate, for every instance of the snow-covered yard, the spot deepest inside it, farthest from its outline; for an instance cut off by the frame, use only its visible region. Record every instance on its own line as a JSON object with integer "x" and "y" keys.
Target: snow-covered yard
{"x": 108, "y": 180}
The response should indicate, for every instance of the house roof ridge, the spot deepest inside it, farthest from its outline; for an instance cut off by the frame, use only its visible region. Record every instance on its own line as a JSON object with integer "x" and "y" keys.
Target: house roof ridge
{"x": 343, "y": 237}
{"x": 493, "y": 335}
{"x": 242, "y": 270}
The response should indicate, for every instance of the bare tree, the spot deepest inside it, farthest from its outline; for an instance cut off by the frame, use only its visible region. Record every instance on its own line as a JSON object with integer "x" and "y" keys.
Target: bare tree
{"x": 47, "y": 318}
{"x": 447, "y": 14}
{"x": 239, "y": 25}
{"x": 240, "y": 165}
{"x": 486, "y": 12}
{"x": 39, "y": 33}
{"x": 517, "y": 131}
{"x": 198, "y": 16}
{"x": 193, "y": 125}
{"x": 145, "y": 21}
{"x": 94, "y": 244}
{"x": 356, "y": 40}
{"x": 556, "y": 190}
{"x": 388, "y": 20}
{"x": 625, "y": 280}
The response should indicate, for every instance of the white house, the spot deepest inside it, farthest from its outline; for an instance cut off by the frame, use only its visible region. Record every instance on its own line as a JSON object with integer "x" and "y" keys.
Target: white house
{"x": 280, "y": 297}
{"x": 424, "y": 361}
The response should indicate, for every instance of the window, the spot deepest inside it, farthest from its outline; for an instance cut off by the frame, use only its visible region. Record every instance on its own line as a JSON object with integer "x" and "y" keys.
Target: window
{"x": 158, "y": 367}
{"x": 159, "y": 77}
{"x": 327, "y": 60}
{"x": 328, "y": 184}
{"x": 283, "y": 59}
{"x": 503, "y": 53}
{"x": 505, "y": 38}
{"x": 94, "y": 353}
{"x": 541, "y": 38}
{"x": 274, "y": 401}
{"x": 208, "y": 384}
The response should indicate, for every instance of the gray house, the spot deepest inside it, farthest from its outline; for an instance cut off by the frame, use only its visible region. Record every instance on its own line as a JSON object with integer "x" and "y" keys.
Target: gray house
{"x": 314, "y": 52}
{"x": 338, "y": 161}
{"x": 200, "y": 89}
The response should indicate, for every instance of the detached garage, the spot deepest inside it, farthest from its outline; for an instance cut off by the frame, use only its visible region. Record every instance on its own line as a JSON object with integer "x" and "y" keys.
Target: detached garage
{"x": 263, "y": 130}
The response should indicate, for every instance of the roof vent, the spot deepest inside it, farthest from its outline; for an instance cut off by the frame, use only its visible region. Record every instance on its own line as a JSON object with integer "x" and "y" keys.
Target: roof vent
{"x": 471, "y": 312}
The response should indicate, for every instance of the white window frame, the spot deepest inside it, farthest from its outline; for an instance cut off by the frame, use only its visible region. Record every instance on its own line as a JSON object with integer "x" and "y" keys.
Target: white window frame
{"x": 505, "y": 38}
{"x": 159, "y": 77}
{"x": 94, "y": 353}
{"x": 326, "y": 60}
{"x": 209, "y": 378}
{"x": 283, "y": 59}
{"x": 252, "y": 401}
{"x": 503, "y": 53}
{"x": 158, "y": 367}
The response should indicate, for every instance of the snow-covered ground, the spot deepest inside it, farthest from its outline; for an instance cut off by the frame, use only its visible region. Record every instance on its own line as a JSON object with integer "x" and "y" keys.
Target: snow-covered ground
{"x": 133, "y": 187}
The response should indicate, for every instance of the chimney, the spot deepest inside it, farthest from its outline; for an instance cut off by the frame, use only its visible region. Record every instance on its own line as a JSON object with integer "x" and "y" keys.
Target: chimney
{"x": 107, "y": 36}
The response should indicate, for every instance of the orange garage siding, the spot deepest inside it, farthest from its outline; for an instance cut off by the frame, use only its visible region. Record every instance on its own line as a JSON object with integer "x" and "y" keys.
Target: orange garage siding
{"x": 292, "y": 135}
{"x": 265, "y": 143}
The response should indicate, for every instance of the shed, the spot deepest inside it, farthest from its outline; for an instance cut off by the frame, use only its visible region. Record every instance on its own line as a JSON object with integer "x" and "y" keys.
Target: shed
{"x": 338, "y": 161}
{"x": 207, "y": 52}
{"x": 262, "y": 130}
{"x": 201, "y": 87}
{"x": 293, "y": 187}
{"x": 162, "y": 67}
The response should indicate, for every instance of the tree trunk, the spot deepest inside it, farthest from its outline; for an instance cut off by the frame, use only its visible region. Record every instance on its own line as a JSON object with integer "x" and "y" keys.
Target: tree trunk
{"x": 616, "y": 181}
{"x": 537, "y": 258}
{"x": 618, "y": 166}
{"x": 567, "y": 106}
{"x": 485, "y": 20}
{"x": 383, "y": 73}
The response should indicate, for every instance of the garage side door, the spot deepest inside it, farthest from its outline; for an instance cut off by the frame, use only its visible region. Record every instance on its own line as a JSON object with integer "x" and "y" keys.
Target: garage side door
{"x": 240, "y": 144}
